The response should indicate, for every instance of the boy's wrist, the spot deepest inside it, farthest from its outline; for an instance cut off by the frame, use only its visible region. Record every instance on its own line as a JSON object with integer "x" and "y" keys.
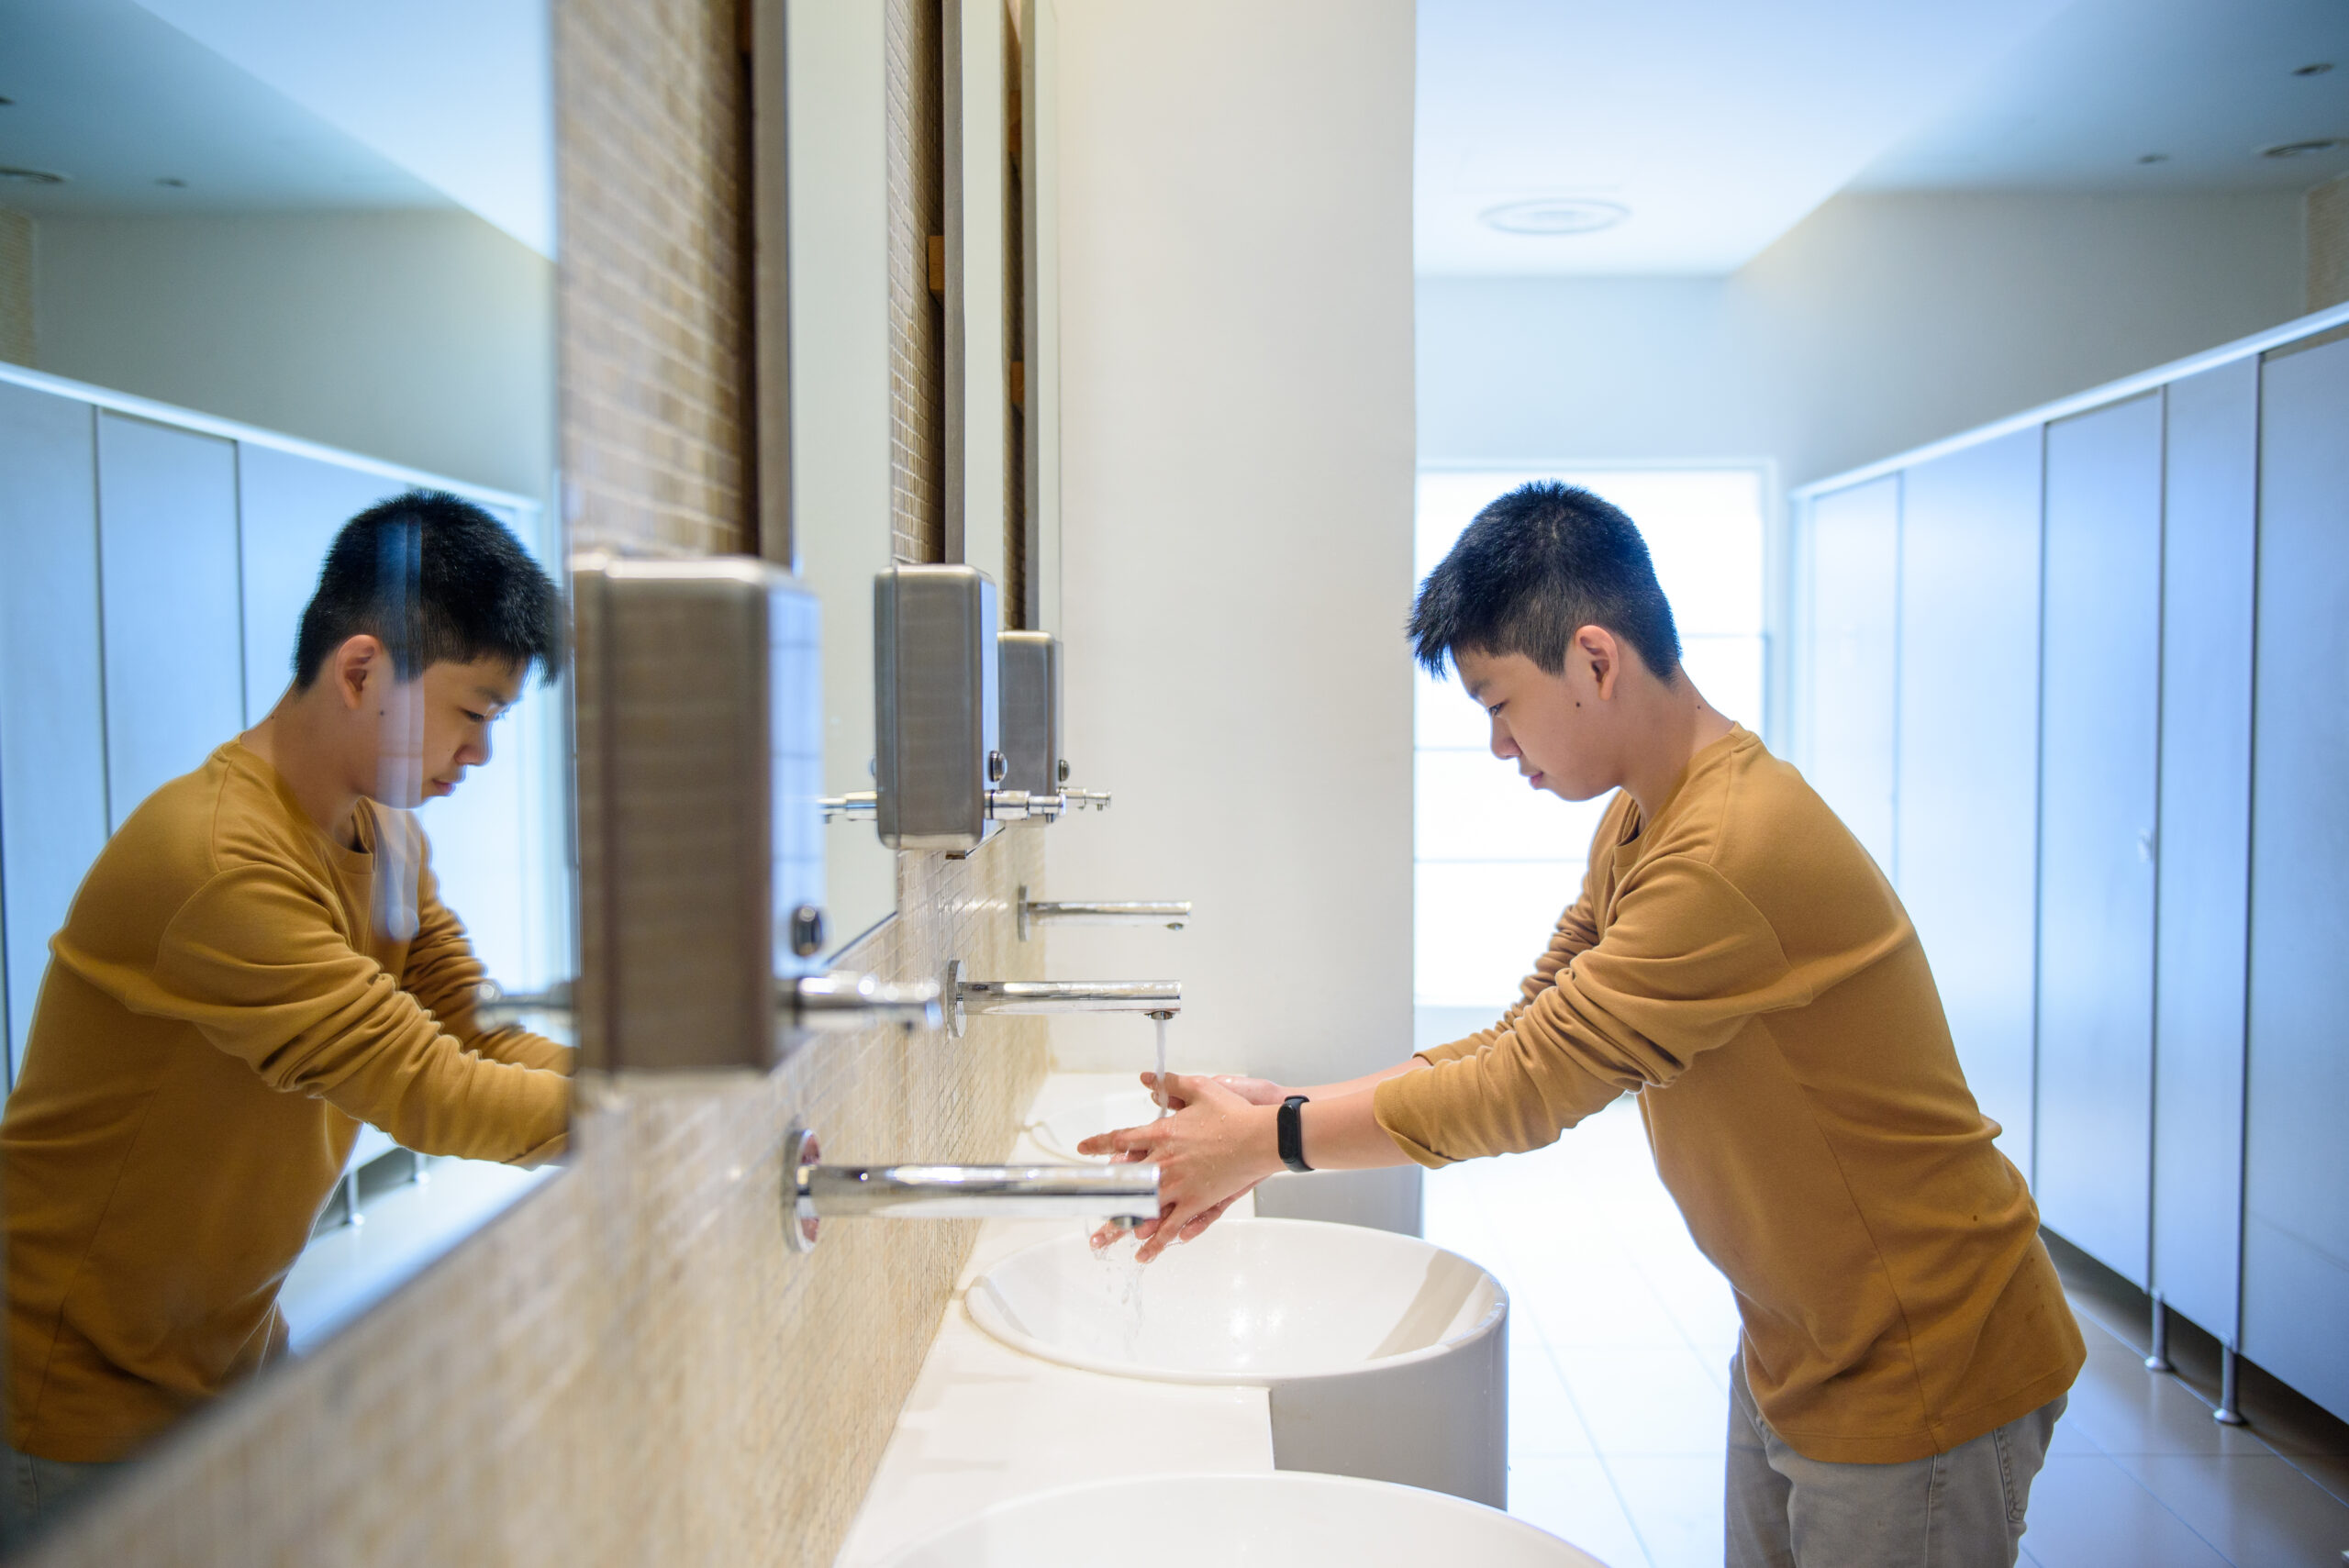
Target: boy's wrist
{"x": 1264, "y": 1142}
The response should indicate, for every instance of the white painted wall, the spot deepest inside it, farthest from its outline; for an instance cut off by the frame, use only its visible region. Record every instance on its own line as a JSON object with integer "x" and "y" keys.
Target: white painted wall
{"x": 1236, "y": 304}
{"x": 420, "y": 337}
{"x": 1878, "y": 323}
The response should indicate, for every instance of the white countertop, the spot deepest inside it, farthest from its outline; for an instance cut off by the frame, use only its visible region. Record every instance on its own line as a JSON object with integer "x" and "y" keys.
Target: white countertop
{"x": 985, "y": 1422}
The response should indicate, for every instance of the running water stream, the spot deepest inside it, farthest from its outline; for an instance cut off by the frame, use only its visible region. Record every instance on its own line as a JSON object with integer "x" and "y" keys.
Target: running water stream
{"x": 1158, "y": 1084}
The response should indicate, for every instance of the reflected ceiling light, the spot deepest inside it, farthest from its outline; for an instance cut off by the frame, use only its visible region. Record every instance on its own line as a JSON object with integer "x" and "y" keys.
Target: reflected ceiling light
{"x": 2300, "y": 149}
{"x": 31, "y": 176}
{"x": 1554, "y": 215}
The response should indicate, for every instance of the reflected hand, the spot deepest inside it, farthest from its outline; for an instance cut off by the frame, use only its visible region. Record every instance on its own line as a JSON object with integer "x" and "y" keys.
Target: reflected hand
{"x": 1210, "y": 1152}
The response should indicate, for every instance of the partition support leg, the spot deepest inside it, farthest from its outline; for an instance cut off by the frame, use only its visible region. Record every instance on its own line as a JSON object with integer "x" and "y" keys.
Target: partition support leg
{"x": 2229, "y": 1412}
{"x": 2159, "y": 1360}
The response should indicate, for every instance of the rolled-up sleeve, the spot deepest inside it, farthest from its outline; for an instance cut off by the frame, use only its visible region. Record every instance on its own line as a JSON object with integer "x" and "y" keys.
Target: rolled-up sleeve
{"x": 255, "y": 961}
{"x": 1685, "y": 963}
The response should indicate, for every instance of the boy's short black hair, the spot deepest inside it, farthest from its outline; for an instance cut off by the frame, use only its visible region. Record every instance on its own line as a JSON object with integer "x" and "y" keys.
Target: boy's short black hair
{"x": 1535, "y": 567}
{"x": 435, "y": 578}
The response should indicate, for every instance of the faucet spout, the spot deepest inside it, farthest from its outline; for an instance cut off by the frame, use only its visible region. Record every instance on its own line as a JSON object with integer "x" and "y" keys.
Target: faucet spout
{"x": 1172, "y": 914}
{"x": 815, "y": 1192}
{"x": 494, "y": 1008}
{"x": 1044, "y": 996}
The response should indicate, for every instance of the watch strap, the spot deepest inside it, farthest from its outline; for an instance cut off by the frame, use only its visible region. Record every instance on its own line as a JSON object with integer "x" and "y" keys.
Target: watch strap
{"x": 1289, "y": 1126}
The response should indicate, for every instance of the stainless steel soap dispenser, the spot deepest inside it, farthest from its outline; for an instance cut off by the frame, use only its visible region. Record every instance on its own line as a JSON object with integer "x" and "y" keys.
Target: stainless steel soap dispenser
{"x": 699, "y": 705}
{"x": 1034, "y": 763}
{"x": 1031, "y": 677}
{"x": 939, "y": 768}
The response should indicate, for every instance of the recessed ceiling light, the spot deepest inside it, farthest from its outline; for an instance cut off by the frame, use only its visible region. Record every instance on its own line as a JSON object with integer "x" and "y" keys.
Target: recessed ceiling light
{"x": 2319, "y": 69}
{"x": 31, "y": 176}
{"x": 2300, "y": 149}
{"x": 1554, "y": 215}
{"x": 2154, "y": 158}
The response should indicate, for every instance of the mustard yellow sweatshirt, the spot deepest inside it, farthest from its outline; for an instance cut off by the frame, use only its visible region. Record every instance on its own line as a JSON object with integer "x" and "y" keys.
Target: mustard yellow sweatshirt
{"x": 1743, "y": 966}
{"x": 222, "y": 1009}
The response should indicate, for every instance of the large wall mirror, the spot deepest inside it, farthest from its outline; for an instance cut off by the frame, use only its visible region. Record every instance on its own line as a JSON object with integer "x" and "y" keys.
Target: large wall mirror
{"x": 836, "y": 97}
{"x": 993, "y": 285}
{"x": 263, "y": 264}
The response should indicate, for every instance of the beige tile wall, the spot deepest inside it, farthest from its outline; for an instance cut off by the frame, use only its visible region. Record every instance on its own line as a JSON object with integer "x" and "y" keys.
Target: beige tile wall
{"x": 16, "y": 287}
{"x": 916, "y": 173}
{"x": 631, "y": 1367}
{"x": 2328, "y": 242}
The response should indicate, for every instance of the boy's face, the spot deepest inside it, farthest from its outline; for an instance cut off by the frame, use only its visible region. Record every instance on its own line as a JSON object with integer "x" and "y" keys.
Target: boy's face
{"x": 430, "y": 729}
{"x": 1555, "y": 728}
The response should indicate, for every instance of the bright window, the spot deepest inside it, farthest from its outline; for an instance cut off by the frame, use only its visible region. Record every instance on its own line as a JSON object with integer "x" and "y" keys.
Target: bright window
{"x": 1494, "y": 862}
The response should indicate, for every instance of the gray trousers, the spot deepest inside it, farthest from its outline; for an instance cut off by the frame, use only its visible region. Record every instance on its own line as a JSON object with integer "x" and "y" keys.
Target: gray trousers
{"x": 35, "y": 1492}
{"x": 1959, "y": 1509}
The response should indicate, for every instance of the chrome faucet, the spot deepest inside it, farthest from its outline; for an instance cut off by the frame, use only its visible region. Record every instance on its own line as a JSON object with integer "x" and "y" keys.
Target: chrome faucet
{"x": 814, "y": 1192}
{"x": 1159, "y": 999}
{"x": 494, "y": 1008}
{"x": 1172, "y": 915}
{"x": 837, "y": 1003}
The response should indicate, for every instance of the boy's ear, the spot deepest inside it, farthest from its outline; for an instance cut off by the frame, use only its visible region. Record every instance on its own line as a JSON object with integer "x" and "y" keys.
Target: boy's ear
{"x": 1595, "y": 646}
{"x": 359, "y": 664}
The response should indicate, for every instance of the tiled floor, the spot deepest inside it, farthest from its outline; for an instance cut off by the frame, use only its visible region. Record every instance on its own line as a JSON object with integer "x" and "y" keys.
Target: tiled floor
{"x": 1621, "y": 1335}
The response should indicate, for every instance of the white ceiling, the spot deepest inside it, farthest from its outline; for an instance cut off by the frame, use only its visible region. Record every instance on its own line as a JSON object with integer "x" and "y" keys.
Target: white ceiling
{"x": 2207, "y": 82}
{"x": 460, "y": 93}
{"x": 280, "y": 105}
{"x": 1719, "y": 124}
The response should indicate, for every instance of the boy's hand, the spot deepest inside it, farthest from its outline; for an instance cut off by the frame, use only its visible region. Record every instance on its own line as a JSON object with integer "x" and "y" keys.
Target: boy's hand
{"x": 1216, "y": 1147}
{"x": 1255, "y": 1091}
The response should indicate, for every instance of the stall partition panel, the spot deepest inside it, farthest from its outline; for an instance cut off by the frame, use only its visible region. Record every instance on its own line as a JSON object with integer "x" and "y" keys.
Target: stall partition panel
{"x": 173, "y": 634}
{"x": 1968, "y": 754}
{"x": 294, "y": 504}
{"x": 2296, "y": 1176}
{"x": 1855, "y": 588}
{"x": 52, "y": 724}
{"x": 2203, "y": 867}
{"x": 2100, "y": 735}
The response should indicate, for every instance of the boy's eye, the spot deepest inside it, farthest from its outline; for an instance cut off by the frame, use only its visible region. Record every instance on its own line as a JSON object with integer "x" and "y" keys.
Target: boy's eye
{"x": 476, "y": 718}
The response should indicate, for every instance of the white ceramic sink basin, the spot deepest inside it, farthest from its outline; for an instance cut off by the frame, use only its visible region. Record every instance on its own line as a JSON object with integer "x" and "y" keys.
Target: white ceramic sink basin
{"x": 1061, "y": 1132}
{"x": 1282, "y": 1520}
{"x": 1384, "y": 1357}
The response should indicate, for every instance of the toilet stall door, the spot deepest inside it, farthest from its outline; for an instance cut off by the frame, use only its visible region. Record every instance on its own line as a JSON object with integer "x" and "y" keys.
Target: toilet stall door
{"x": 1969, "y": 752}
{"x": 2099, "y": 725}
{"x": 2295, "y": 1165}
{"x": 2203, "y": 867}
{"x": 52, "y": 725}
{"x": 294, "y": 504}
{"x": 173, "y": 625}
{"x": 1855, "y": 586}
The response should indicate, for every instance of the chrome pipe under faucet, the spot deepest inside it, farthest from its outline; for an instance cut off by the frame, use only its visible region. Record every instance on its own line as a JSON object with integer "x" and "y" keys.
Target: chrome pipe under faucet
{"x": 1159, "y": 999}
{"x": 1172, "y": 914}
{"x": 814, "y": 1192}
{"x": 839, "y": 1003}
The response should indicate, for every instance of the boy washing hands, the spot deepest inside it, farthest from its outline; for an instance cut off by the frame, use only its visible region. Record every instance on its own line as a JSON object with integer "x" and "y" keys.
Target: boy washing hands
{"x": 1736, "y": 961}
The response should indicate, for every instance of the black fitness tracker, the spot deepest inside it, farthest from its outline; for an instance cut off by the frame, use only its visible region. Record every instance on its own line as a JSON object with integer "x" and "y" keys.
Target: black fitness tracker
{"x": 1291, "y": 1133}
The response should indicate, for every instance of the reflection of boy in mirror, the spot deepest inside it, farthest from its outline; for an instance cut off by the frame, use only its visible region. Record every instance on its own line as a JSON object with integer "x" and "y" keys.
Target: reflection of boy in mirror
{"x": 256, "y": 963}
{"x": 1736, "y": 961}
